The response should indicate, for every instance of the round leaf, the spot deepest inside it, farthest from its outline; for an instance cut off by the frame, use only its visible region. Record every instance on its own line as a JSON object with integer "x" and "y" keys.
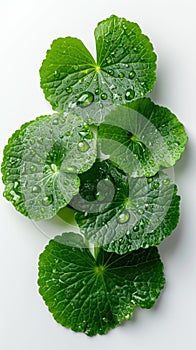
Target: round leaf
{"x": 140, "y": 213}
{"x": 93, "y": 296}
{"x": 140, "y": 136}
{"x": 41, "y": 162}
{"x": 124, "y": 71}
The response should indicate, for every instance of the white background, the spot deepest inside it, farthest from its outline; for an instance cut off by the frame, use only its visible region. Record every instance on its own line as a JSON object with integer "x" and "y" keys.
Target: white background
{"x": 27, "y": 29}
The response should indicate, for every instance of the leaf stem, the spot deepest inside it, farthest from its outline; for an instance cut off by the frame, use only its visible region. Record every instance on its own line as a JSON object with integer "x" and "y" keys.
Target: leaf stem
{"x": 96, "y": 252}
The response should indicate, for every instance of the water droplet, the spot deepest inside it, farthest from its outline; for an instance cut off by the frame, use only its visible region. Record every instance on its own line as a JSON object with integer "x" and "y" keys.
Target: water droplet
{"x": 40, "y": 140}
{"x": 71, "y": 169}
{"x": 109, "y": 60}
{"x": 166, "y": 182}
{"x": 141, "y": 211}
{"x": 146, "y": 206}
{"x": 129, "y": 94}
{"x": 152, "y": 162}
{"x": 67, "y": 133}
{"x": 36, "y": 189}
{"x": 156, "y": 185}
{"x": 121, "y": 75}
{"x": 142, "y": 224}
{"x": 55, "y": 121}
{"x": 112, "y": 87}
{"x": 97, "y": 91}
{"x": 47, "y": 200}
{"x": 123, "y": 217}
{"x": 56, "y": 74}
{"x": 136, "y": 228}
{"x": 33, "y": 168}
{"x": 83, "y": 146}
{"x": 136, "y": 49}
{"x": 104, "y": 96}
{"x": 110, "y": 72}
{"x": 132, "y": 74}
{"x": 149, "y": 180}
{"x": 75, "y": 67}
{"x": 69, "y": 90}
{"x": 85, "y": 99}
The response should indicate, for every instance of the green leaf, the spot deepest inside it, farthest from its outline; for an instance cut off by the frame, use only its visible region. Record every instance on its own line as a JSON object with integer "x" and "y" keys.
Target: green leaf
{"x": 93, "y": 296}
{"x": 126, "y": 213}
{"x": 41, "y": 162}
{"x": 125, "y": 70}
{"x": 140, "y": 136}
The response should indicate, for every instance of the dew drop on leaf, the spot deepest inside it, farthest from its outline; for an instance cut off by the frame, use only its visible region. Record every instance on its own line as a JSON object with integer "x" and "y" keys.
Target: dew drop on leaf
{"x": 104, "y": 96}
{"x": 136, "y": 228}
{"x": 141, "y": 211}
{"x": 55, "y": 122}
{"x": 121, "y": 75}
{"x": 166, "y": 182}
{"x": 71, "y": 169}
{"x": 156, "y": 185}
{"x": 110, "y": 72}
{"x": 85, "y": 99}
{"x": 33, "y": 168}
{"x": 123, "y": 217}
{"x": 129, "y": 94}
{"x": 142, "y": 224}
{"x": 132, "y": 74}
{"x": 56, "y": 74}
{"x": 47, "y": 200}
{"x": 97, "y": 91}
{"x": 136, "y": 49}
{"x": 36, "y": 189}
{"x": 109, "y": 60}
{"x": 83, "y": 146}
{"x": 69, "y": 90}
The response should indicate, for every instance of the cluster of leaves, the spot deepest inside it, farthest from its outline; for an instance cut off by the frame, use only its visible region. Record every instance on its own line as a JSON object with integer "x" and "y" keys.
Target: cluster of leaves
{"x": 104, "y": 152}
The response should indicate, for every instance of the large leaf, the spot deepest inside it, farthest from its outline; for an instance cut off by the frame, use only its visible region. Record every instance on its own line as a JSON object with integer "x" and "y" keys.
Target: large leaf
{"x": 125, "y": 70}
{"x": 140, "y": 136}
{"x": 41, "y": 162}
{"x": 93, "y": 296}
{"x": 122, "y": 213}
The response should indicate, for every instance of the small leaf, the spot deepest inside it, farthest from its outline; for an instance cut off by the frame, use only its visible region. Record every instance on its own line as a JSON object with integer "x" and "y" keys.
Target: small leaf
{"x": 140, "y": 136}
{"x": 93, "y": 296}
{"x": 41, "y": 162}
{"x": 140, "y": 213}
{"x": 125, "y": 70}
